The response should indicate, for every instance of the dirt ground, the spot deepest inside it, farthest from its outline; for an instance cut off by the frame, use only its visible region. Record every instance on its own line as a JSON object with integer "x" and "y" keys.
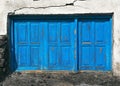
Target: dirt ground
{"x": 60, "y": 79}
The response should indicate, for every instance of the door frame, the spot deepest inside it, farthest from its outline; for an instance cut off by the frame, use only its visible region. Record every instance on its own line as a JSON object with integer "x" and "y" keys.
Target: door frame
{"x": 10, "y": 31}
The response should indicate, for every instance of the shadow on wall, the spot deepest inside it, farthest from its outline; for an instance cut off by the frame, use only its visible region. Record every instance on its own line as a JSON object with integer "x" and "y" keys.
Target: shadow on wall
{"x": 4, "y": 58}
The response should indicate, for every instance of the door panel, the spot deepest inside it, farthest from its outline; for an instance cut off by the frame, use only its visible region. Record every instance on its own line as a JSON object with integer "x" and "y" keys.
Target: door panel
{"x": 86, "y": 46}
{"x": 44, "y": 45}
{"x": 100, "y": 57}
{"x": 21, "y": 33}
{"x": 53, "y": 32}
{"x": 21, "y": 48}
{"x": 94, "y": 44}
{"x": 53, "y": 28}
{"x": 27, "y": 45}
{"x": 65, "y": 56}
{"x": 87, "y": 60}
{"x": 23, "y": 52}
{"x": 86, "y": 32}
{"x": 35, "y": 44}
{"x": 35, "y": 32}
{"x": 61, "y": 56}
{"x": 99, "y": 32}
{"x": 101, "y": 44}
{"x": 65, "y": 32}
{"x": 66, "y": 44}
{"x": 53, "y": 56}
{"x": 35, "y": 56}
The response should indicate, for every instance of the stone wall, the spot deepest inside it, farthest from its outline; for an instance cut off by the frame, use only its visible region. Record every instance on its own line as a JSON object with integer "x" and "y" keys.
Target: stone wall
{"x": 3, "y": 54}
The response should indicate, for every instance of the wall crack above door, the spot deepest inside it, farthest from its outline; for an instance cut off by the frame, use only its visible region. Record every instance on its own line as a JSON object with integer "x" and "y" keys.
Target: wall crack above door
{"x": 45, "y": 7}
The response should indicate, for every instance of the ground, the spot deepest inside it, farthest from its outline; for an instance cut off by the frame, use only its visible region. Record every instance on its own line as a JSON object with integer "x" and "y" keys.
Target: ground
{"x": 60, "y": 79}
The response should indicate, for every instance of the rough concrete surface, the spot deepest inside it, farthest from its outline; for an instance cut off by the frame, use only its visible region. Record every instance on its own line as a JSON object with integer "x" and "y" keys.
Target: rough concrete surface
{"x": 60, "y": 79}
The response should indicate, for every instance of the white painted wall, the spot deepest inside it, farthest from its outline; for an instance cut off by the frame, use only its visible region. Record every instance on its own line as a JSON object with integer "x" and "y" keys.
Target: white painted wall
{"x": 59, "y": 7}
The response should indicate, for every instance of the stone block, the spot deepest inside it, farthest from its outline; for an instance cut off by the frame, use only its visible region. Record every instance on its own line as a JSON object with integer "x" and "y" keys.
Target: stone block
{"x": 1, "y": 50}
{"x": 1, "y": 55}
{"x": 2, "y": 62}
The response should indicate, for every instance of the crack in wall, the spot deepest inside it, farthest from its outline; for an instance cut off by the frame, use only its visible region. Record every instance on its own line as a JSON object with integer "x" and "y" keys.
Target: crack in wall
{"x": 67, "y": 4}
{"x": 73, "y": 1}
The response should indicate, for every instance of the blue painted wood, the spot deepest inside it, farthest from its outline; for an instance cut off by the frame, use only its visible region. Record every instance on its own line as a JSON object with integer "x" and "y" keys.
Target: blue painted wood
{"x": 44, "y": 45}
{"x": 60, "y": 45}
{"x": 95, "y": 44}
{"x": 72, "y": 44}
{"x": 11, "y": 46}
{"x": 86, "y": 47}
{"x": 75, "y": 45}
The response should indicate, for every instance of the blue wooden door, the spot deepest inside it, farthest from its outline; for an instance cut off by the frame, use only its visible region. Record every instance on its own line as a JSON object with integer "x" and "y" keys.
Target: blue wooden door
{"x": 94, "y": 44}
{"x": 44, "y": 45}
{"x": 28, "y": 38}
{"x": 60, "y": 49}
{"x": 70, "y": 44}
